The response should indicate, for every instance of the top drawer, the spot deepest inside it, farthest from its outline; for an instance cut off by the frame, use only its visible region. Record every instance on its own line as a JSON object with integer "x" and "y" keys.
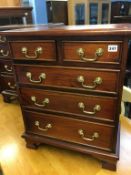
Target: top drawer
{"x": 34, "y": 50}
{"x": 92, "y": 52}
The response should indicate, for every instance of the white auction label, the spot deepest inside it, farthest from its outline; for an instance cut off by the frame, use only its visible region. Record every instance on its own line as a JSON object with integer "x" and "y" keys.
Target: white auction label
{"x": 112, "y": 48}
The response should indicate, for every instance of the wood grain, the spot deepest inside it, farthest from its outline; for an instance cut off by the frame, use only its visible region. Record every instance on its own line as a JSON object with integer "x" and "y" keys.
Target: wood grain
{"x": 70, "y": 51}
{"x": 48, "y": 50}
{"x": 66, "y": 129}
{"x": 66, "y": 77}
{"x": 68, "y": 103}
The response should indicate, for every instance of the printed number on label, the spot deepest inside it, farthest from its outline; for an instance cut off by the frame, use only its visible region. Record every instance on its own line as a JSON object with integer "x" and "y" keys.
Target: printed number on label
{"x": 112, "y": 48}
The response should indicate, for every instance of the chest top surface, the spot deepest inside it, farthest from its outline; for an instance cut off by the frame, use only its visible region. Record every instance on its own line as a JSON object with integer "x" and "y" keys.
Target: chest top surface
{"x": 81, "y": 30}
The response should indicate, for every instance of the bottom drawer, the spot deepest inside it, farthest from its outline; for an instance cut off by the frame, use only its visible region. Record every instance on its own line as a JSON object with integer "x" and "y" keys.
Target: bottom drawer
{"x": 70, "y": 130}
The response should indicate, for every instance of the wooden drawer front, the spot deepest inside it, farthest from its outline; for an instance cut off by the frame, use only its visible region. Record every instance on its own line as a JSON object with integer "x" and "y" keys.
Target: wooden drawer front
{"x": 8, "y": 82}
{"x": 70, "y": 129}
{"x": 92, "y": 52}
{"x": 44, "y": 50}
{"x": 76, "y": 104}
{"x": 69, "y": 77}
{"x": 4, "y": 51}
{"x": 6, "y": 66}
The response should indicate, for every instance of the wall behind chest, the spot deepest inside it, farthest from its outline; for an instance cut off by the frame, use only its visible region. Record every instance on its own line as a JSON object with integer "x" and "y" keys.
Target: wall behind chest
{"x": 10, "y": 2}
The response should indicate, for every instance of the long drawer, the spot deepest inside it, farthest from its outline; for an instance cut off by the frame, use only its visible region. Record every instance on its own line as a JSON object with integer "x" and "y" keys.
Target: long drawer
{"x": 96, "y": 107}
{"x": 38, "y": 50}
{"x": 69, "y": 78}
{"x": 92, "y": 51}
{"x": 70, "y": 130}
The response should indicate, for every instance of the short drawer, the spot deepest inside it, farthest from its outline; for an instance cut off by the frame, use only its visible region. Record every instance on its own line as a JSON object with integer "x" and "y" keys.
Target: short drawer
{"x": 69, "y": 78}
{"x": 96, "y": 52}
{"x": 7, "y": 82}
{"x": 4, "y": 51}
{"x": 86, "y": 106}
{"x": 6, "y": 66}
{"x": 33, "y": 50}
{"x": 70, "y": 130}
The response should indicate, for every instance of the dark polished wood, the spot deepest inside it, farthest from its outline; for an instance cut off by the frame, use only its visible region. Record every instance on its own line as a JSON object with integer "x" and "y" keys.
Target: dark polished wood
{"x": 15, "y": 15}
{"x": 120, "y": 12}
{"x": 5, "y": 51}
{"x": 77, "y": 31}
{"x": 70, "y": 51}
{"x": 48, "y": 50}
{"x": 57, "y": 12}
{"x": 7, "y": 82}
{"x": 52, "y": 115}
{"x": 63, "y": 129}
{"x": 6, "y": 66}
{"x": 67, "y": 77}
{"x": 69, "y": 103}
{"x": 122, "y": 19}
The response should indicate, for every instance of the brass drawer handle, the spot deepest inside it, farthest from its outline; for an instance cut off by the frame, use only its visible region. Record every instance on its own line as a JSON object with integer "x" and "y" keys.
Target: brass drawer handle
{"x": 99, "y": 52}
{"x": 2, "y": 39}
{"x": 7, "y": 68}
{"x": 97, "y": 81}
{"x": 4, "y": 53}
{"x": 93, "y": 137}
{"x": 37, "y": 52}
{"x": 26, "y": 14}
{"x": 11, "y": 86}
{"x": 47, "y": 127}
{"x": 42, "y": 77}
{"x": 43, "y": 103}
{"x": 96, "y": 108}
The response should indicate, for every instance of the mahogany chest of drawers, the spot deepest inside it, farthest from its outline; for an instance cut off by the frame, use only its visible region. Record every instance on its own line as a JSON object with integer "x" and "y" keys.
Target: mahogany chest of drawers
{"x": 69, "y": 80}
{"x": 7, "y": 83}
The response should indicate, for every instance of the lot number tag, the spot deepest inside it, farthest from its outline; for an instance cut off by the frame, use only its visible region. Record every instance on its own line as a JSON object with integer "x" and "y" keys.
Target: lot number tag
{"x": 112, "y": 48}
